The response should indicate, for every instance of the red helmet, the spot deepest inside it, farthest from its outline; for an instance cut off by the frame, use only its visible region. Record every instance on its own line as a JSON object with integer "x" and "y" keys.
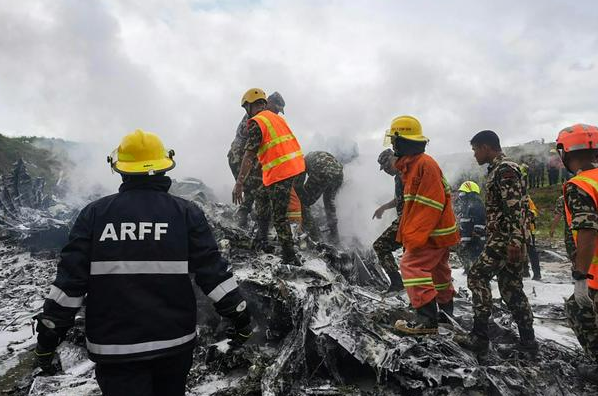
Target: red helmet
{"x": 577, "y": 137}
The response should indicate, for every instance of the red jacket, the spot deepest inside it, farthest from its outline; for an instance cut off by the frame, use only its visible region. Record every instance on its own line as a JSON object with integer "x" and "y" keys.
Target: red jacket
{"x": 428, "y": 220}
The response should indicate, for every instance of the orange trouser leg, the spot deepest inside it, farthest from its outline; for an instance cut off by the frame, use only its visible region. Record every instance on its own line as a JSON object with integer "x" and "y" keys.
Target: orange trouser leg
{"x": 421, "y": 269}
{"x": 441, "y": 275}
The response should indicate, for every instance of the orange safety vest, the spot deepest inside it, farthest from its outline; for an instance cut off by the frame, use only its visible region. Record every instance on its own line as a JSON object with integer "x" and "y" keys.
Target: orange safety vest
{"x": 279, "y": 153}
{"x": 428, "y": 220}
{"x": 294, "y": 209}
{"x": 587, "y": 181}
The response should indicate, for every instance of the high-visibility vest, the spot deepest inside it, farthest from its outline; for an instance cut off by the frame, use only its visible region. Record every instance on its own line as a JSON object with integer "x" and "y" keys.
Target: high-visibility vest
{"x": 294, "y": 209}
{"x": 279, "y": 154}
{"x": 587, "y": 181}
{"x": 428, "y": 220}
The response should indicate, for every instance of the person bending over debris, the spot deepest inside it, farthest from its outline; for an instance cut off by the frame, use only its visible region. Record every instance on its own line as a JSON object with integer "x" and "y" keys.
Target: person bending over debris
{"x": 324, "y": 175}
{"x": 387, "y": 243}
{"x": 504, "y": 250}
{"x": 472, "y": 224}
{"x": 130, "y": 253}
{"x": 578, "y": 149}
{"x": 279, "y": 153}
{"x": 253, "y": 188}
{"x": 427, "y": 228}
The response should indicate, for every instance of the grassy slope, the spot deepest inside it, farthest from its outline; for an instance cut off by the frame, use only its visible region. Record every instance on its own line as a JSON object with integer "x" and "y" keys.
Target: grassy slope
{"x": 545, "y": 198}
{"x": 40, "y": 162}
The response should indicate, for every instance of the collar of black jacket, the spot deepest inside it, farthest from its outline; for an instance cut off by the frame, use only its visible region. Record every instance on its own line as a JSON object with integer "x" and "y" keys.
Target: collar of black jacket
{"x": 145, "y": 182}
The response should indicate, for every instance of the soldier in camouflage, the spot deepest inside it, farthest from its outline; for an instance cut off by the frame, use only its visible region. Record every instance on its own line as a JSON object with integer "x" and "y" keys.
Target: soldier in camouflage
{"x": 278, "y": 192}
{"x": 577, "y": 148}
{"x": 504, "y": 250}
{"x": 386, "y": 243}
{"x": 324, "y": 175}
{"x": 253, "y": 187}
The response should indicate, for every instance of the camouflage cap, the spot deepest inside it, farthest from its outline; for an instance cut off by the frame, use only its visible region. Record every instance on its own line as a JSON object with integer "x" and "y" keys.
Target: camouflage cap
{"x": 276, "y": 98}
{"x": 384, "y": 157}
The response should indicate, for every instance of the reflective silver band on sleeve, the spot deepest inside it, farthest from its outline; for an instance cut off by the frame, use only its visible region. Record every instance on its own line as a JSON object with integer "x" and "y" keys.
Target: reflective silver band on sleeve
{"x": 465, "y": 239}
{"x": 465, "y": 220}
{"x": 124, "y": 349}
{"x": 481, "y": 227}
{"x": 223, "y": 289}
{"x": 139, "y": 267}
{"x": 62, "y": 299}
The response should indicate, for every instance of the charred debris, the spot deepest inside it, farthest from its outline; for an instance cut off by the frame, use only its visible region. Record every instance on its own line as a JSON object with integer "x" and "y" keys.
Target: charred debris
{"x": 321, "y": 329}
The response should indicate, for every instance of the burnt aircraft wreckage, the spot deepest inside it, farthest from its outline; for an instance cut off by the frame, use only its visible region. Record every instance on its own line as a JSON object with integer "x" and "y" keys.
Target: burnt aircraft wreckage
{"x": 321, "y": 329}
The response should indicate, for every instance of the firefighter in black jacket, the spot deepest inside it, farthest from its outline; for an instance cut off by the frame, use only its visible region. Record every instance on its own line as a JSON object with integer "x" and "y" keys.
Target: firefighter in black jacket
{"x": 472, "y": 223}
{"x": 131, "y": 254}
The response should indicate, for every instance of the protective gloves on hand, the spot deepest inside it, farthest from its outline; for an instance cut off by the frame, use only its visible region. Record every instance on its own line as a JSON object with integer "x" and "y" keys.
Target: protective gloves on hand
{"x": 50, "y": 332}
{"x": 580, "y": 292}
{"x": 241, "y": 330}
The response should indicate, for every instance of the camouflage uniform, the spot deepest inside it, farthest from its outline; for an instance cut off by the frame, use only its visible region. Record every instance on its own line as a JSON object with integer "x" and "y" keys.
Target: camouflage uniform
{"x": 324, "y": 177}
{"x": 253, "y": 186}
{"x": 387, "y": 242}
{"x": 279, "y": 195}
{"x": 583, "y": 320}
{"x": 505, "y": 226}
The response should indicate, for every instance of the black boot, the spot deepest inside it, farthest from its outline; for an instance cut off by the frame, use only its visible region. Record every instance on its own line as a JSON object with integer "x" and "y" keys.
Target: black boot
{"x": 260, "y": 243}
{"x": 289, "y": 257}
{"x": 477, "y": 340}
{"x": 396, "y": 282}
{"x": 527, "y": 341}
{"x": 242, "y": 216}
{"x": 526, "y": 348}
{"x": 446, "y": 309}
{"x": 425, "y": 323}
{"x": 589, "y": 372}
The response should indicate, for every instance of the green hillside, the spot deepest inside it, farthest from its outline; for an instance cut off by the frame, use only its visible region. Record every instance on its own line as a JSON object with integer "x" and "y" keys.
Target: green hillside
{"x": 40, "y": 162}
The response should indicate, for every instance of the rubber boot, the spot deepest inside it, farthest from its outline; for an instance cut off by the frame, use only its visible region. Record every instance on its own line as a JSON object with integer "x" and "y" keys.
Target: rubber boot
{"x": 289, "y": 257}
{"x": 527, "y": 341}
{"x": 396, "y": 282}
{"x": 425, "y": 323}
{"x": 588, "y": 372}
{"x": 477, "y": 340}
{"x": 242, "y": 216}
{"x": 446, "y": 310}
{"x": 260, "y": 243}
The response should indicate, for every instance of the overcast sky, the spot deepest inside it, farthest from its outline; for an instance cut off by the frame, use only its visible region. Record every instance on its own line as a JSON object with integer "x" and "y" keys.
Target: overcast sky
{"x": 95, "y": 70}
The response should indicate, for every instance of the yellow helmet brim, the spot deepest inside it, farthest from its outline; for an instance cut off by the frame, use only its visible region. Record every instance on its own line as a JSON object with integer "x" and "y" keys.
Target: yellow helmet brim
{"x": 144, "y": 167}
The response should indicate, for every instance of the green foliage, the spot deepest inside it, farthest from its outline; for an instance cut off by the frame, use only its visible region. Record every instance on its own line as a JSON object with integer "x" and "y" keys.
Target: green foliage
{"x": 545, "y": 199}
{"x": 39, "y": 162}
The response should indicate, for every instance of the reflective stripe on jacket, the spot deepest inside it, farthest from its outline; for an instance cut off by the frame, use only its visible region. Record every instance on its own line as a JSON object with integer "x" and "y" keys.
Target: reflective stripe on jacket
{"x": 428, "y": 219}
{"x": 294, "y": 209}
{"x": 280, "y": 153}
{"x": 130, "y": 254}
{"x": 587, "y": 181}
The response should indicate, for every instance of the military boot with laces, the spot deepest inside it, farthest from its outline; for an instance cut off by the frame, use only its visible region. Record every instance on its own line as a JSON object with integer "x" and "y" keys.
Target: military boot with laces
{"x": 477, "y": 340}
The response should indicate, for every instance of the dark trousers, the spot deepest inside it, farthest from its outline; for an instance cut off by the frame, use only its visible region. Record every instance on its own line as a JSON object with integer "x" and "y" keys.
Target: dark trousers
{"x": 157, "y": 377}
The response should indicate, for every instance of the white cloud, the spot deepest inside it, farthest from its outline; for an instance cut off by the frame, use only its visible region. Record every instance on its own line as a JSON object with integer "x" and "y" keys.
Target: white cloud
{"x": 93, "y": 71}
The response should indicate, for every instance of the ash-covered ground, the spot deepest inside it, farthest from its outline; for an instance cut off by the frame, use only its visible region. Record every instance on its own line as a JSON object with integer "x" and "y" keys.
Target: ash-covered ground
{"x": 321, "y": 329}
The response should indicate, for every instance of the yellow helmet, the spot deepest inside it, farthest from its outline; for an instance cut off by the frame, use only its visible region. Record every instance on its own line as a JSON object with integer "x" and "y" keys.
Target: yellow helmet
{"x": 469, "y": 186}
{"x": 252, "y": 95}
{"x": 141, "y": 153}
{"x": 406, "y": 127}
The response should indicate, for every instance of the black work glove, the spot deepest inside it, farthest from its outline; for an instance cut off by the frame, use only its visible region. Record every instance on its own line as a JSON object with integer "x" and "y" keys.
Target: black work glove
{"x": 50, "y": 332}
{"x": 241, "y": 330}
